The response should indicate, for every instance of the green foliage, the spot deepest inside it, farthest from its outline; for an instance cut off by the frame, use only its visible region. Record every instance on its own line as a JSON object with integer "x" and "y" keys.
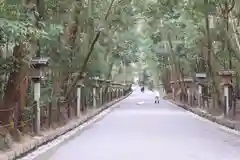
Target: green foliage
{"x": 135, "y": 33}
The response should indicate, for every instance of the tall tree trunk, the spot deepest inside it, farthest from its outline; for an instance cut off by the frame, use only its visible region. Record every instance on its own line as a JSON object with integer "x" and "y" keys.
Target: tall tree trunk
{"x": 12, "y": 89}
{"x": 175, "y": 65}
{"x": 23, "y": 88}
{"x": 40, "y": 7}
{"x": 109, "y": 76}
{"x": 215, "y": 92}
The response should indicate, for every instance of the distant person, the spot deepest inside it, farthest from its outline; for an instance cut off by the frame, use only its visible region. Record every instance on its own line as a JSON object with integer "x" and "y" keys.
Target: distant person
{"x": 142, "y": 89}
{"x": 157, "y": 96}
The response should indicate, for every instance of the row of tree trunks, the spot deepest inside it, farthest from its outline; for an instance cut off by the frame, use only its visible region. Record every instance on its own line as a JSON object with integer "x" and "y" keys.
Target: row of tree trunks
{"x": 89, "y": 53}
{"x": 166, "y": 78}
{"x": 177, "y": 74}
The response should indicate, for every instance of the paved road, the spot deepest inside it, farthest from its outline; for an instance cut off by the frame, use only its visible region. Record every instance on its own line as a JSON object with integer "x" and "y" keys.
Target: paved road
{"x": 142, "y": 130}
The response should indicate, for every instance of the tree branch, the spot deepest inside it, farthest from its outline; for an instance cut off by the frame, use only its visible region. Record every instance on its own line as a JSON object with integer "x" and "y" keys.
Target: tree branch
{"x": 232, "y": 6}
{"x": 220, "y": 7}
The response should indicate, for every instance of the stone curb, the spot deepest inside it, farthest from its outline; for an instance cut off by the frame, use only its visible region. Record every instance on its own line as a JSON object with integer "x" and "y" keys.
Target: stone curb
{"x": 37, "y": 142}
{"x": 222, "y": 121}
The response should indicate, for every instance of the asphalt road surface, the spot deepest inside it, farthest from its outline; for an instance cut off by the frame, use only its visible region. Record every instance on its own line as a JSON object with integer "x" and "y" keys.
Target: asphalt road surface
{"x": 142, "y": 130}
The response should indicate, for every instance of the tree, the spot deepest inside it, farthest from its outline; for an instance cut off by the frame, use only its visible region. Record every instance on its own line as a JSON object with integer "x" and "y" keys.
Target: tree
{"x": 168, "y": 22}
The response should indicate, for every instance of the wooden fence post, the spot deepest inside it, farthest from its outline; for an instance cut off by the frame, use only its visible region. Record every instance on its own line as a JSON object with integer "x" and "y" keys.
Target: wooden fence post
{"x": 34, "y": 116}
{"x": 37, "y": 106}
{"x": 94, "y": 97}
{"x": 101, "y": 95}
{"x": 69, "y": 110}
{"x": 78, "y": 100}
{"x": 58, "y": 110}
{"x": 49, "y": 114}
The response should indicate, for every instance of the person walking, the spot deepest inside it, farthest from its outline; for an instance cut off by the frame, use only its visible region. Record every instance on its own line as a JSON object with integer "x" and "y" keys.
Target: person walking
{"x": 157, "y": 96}
{"x": 142, "y": 89}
